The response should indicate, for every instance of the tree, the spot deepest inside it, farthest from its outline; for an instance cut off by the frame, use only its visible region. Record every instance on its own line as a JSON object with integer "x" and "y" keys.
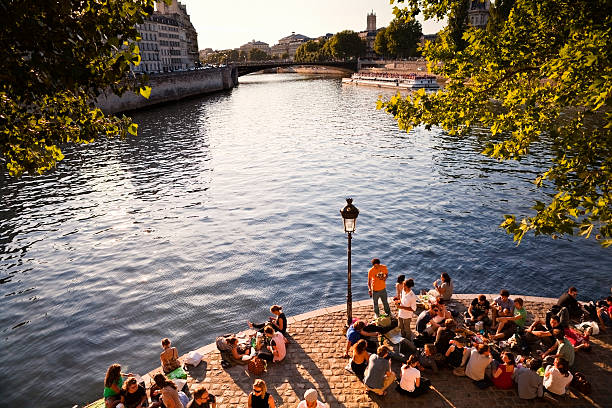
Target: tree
{"x": 402, "y": 37}
{"x": 346, "y": 44}
{"x": 233, "y": 56}
{"x": 541, "y": 73}
{"x": 55, "y": 59}
{"x": 312, "y": 51}
{"x": 255, "y": 54}
{"x": 380, "y": 43}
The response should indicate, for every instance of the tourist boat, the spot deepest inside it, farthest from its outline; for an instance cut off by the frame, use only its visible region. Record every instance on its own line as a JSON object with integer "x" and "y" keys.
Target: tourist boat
{"x": 395, "y": 81}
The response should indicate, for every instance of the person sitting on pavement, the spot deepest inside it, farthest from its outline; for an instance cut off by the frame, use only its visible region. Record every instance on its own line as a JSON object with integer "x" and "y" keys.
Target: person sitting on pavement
{"x": 430, "y": 358}
{"x": 502, "y": 373}
{"x": 561, "y": 349}
{"x": 133, "y": 395}
{"x": 278, "y": 322}
{"x": 580, "y": 341}
{"x": 557, "y": 377}
{"x": 538, "y": 332}
{"x": 444, "y": 335}
{"x": 444, "y": 287}
{"x": 480, "y": 360}
{"x": 113, "y": 383}
{"x": 406, "y": 305}
{"x": 378, "y": 375}
{"x": 259, "y": 397}
{"x": 202, "y": 399}
{"x": 355, "y": 333}
{"x": 502, "y": 306}
{"x": 377, "y": 286}
{"x": 529, "y": 382}
{"x": 311, "y": 400}
{"x": 169, "y": 357}
{"x": 508, "y": 325}
{"x": 479, "y": 311}
{"x": 238, "y": 356}
{"x": 360, "y": 358}
{"x": 424, "y": 324}
{"x": 569, "y": 301}
{"x": 411, "y": 383}
{"x": 169, "y": 394}
{"x": 276, "y": 349}
{"x": 605, "y": 315}
{"x": 457, "y": 354}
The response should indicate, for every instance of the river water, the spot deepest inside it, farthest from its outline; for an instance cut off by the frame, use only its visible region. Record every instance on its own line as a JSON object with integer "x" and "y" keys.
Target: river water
{"x": 226, "y": 204}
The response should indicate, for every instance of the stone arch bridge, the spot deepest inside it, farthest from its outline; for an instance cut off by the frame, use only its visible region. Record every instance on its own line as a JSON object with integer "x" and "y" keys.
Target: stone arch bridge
{"x": 244, "y": 68}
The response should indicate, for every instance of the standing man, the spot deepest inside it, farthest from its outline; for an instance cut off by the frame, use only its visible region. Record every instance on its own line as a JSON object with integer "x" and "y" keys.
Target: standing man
{"x": 377, "y": 286}
{"x": 406, "y": 306}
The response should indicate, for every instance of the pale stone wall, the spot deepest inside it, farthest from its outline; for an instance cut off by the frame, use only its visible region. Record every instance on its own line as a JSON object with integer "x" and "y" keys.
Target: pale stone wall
{"x": 171, "y": 87}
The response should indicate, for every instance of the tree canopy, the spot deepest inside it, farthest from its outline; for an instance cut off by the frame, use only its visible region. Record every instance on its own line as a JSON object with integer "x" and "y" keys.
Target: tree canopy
{"x": 540, "y": 73}
{"x": 255, "y": 54}
{"x": 55, "y": 59}
{"x": 402, "y": 37}
{"x": 313, "y": 51}
{"x": 346, "y": 44}
{"x": 380, "y": 42}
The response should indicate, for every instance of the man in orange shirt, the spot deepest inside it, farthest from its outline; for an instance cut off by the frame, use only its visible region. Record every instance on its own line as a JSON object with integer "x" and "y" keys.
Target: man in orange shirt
{"x": 377, "y": 285}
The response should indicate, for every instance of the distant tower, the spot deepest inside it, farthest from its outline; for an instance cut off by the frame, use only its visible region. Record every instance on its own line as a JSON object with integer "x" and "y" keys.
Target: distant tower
{"x": 371, "y": 21}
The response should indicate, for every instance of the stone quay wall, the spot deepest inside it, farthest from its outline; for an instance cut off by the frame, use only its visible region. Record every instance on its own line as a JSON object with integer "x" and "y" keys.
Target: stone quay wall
{"x": 171, "y": 87}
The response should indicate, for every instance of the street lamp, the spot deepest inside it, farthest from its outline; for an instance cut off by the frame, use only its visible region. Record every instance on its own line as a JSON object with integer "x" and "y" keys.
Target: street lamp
{"x": 349, "y": 218}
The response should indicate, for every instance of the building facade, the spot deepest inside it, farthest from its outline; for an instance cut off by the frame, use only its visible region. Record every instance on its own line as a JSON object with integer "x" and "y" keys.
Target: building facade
{"x": 168, "y": 40}
{"x": 260, "y": 45}
{"x": 178, "y": 12}
{"x": 289, "y": 45}
{"x": 369, "y": 35}
{"x": 478, "y": 14}
{"x": 149, "y": 48}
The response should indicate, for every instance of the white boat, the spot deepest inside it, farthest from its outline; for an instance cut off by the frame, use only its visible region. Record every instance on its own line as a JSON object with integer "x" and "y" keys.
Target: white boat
{"x": 395, "y": 81}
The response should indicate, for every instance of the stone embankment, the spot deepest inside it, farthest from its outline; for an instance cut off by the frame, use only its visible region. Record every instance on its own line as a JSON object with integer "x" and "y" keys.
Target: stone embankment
{"x": 171, "y": 87}
{"x": 314, "y": 360}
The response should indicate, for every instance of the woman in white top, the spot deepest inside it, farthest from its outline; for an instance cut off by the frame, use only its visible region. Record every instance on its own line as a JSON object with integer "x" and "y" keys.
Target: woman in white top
{"x": 557, "y": 378}
{"x": 411, "y": 383}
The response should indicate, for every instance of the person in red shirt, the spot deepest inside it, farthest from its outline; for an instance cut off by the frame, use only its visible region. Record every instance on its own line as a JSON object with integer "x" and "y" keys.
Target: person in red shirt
{"x": 605, "y": 314}
{"x": 377, "y": 286}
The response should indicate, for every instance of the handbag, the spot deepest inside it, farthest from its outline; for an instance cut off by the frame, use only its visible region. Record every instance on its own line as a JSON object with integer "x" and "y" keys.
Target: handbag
{"x": 256, "y": 366}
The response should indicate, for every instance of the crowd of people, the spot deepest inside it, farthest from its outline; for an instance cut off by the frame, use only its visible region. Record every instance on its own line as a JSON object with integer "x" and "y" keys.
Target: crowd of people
{"x": 491, "y": 344}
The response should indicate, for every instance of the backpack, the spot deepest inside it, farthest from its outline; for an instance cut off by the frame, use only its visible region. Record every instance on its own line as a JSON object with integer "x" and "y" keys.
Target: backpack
{"x": 580, "y": 383}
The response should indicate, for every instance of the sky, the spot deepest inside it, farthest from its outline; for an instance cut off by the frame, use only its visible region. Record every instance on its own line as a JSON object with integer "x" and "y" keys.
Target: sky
{"x": 229, "y": 24}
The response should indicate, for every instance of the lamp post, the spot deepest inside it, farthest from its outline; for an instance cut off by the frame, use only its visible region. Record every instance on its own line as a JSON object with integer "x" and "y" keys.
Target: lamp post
{"x": 349, "y": 218}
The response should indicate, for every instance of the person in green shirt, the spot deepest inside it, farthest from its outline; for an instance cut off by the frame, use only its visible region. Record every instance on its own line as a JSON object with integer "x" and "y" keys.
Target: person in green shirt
{"x": 564, "y": 348}
{"x": 113, "y": 381}
{"x": 508, "y": 325}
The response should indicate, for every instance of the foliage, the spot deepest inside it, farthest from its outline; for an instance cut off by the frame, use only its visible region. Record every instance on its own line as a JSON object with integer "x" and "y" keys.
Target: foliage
{"x": 346, "y": 45}
{"x": 55, "y": 59}
{"x": 313, "y": 51}
{"x": 255, "y": 54}
{"x": 541, "y": 75}
{"x": 402, "y": 37}
{"x": 380, "y": 43}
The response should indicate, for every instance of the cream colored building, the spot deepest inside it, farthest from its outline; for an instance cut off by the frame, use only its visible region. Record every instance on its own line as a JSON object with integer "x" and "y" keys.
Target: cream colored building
{"x": 178, "y": 12}
{"x": 149, "y": 48}
{"x": 289, "y": 45}
{"x": 260, "y": 45}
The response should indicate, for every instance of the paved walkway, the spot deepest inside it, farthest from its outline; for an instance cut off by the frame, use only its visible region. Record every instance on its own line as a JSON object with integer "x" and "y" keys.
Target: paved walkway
{"x": 314, "y": 360}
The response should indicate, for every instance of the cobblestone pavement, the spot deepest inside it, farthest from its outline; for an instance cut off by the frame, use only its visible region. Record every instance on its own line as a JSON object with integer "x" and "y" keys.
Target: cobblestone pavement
{"x": 314, "y": 360}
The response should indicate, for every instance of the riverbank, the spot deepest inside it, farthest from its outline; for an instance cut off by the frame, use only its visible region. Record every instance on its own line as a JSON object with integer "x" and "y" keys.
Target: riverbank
{"x": 314, "y": 360}
{"x": 171, "y": 87}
